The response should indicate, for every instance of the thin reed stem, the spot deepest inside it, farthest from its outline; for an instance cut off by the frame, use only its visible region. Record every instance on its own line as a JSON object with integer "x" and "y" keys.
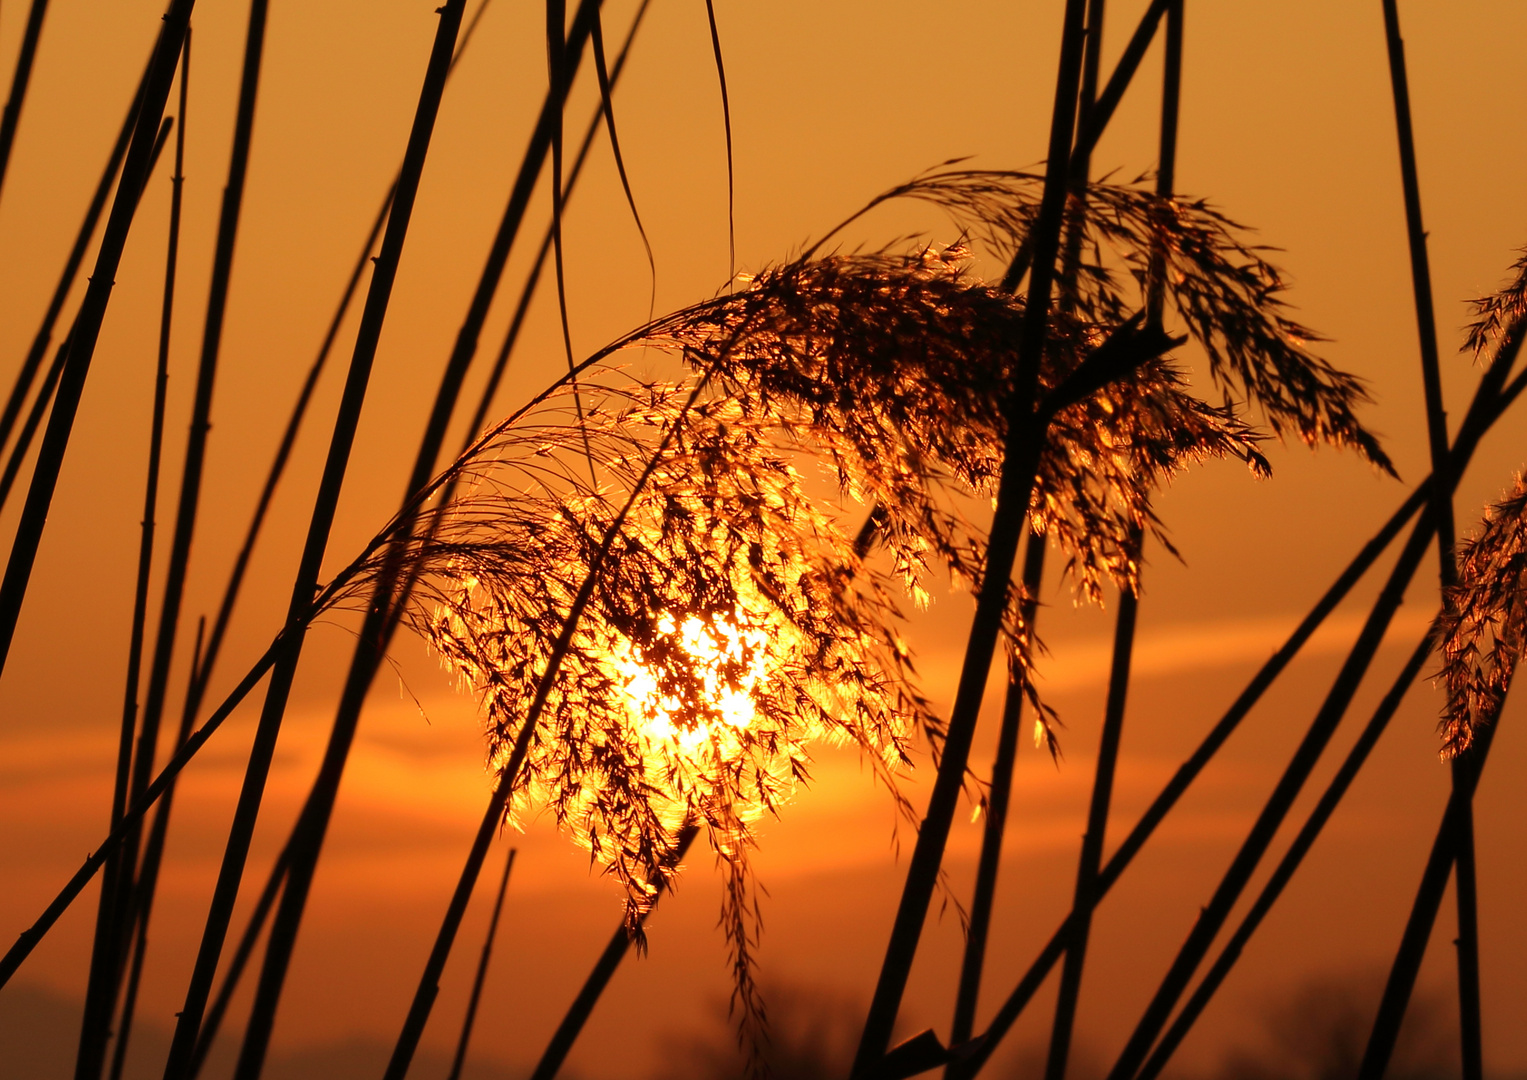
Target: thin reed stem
{"x": 142, "y": 900}
{"x": 376, "y": 632}
{"x": 1096, "y": 121}
{"x": 87, "y": 329}
{"x": 482, "y": 972}
{"x": 67, "y": 277}
{"x": 306, "y": 583}
{"x": 1086, "y": 894}
{"x": 11, "y": 115}
{"x": 1489, "y": 404}
{"x": 239, "y": 961}
{"x": 1423, "y": 915}
{"x": 1436, "y": 428}
{"x": 17, "y": 954}
{"x": 528, "y": 291}
{"x": 726, "y": 120}
{"x": 1212, "y": 917}
{"x": 1020, "y": 459}
{"x": 185, "y": 517}
{"x": 110, "y": 941}
{"x": 114, "y": 923}
{"x": 578, "y": 1013}
{"x": 1308, "y": 834}
{"x": 429, "y": 980}
{"x": 997, "y": 801}
{"x": 1090, "y": 854}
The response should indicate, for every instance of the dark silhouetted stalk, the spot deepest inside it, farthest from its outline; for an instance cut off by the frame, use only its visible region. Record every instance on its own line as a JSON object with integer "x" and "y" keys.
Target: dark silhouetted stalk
{"x": 39, "y": 347}
{"x": 482, "y": 972}
{"x": 604, "y": 969}
{"x": 997, "y": 801}
{"x": 1020, "y": 459}
{"x": 527, "y": 293}
{"x": 557, "y": 84}
{"x": 33, "y": 421}
{"x": 87, "y": 327}
{"x": 1290, "y": 862}
{"x": 429, "y": 980}
{"x": 239, "y": 961}
{"x": 1213, "y": 916}
{"x": 726, "y": 119}
{"x": 142, "y": 908}
{"x": 1096, "y": 120}
{"x": 24, "y": 57}
{"x": 105, "y": 980}
{"x": 107, "y": 947}
{"x": 17, "y": 954}
{"x": 1423, "y": 914}
{"x": 113, "y": 919}
{"x": 607, "y": 103}
{"x": 1489, "y": 404}
{"x": 1436, "y": 428}
{"x": 1086, "y": 894}
{"x": 376, "y": 632}
{"x": 306, "y": 583}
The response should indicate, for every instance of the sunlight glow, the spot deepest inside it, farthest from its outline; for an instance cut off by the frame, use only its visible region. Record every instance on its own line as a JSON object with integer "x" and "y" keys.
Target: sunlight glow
{"x": 700, "y": 685}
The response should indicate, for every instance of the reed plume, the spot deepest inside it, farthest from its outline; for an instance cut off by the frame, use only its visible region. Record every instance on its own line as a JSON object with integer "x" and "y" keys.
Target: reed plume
{"x": 1482, "y": 627}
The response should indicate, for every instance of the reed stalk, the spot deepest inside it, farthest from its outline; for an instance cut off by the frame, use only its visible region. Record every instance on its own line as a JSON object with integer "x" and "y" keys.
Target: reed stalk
{"x": 11, "y": 115}
{"x": 305, "y": 586}
{"x": 142, "y": 907}
{"x": 1423, "y": 915}
{"x": 44, "y": 396}
{"x": 386, "y": 604}
{"x": 726, "y": 120}
{"x": 1020, "y": 459}
{"x": 32, "y": 362}
{"x": 1436, "y": 425}
{"x": 1278, "y": 803}
{"x": 201, "y": 676}
{"x": 87, "y": 330}
{"x": 239, "y": 961}
{"x": 106, "y": 958}
{"x": 578, "y": 1013}
{"x": 997, "y": 801}
{"x": 1089, "y": 862}
{"x": 1090, "y": 854}
{"x": 528, "y": 290}
{"x": 105, "y": 980}
{"x": 1289, "y": 864}
{"x": 113, "y": 924}
{"x": 429, "y": 980}
{"x": 482, "y": 972}
{"x": 1490, "y": 402}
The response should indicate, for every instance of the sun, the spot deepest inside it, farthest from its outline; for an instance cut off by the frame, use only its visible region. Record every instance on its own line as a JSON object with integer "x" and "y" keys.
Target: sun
{"x": 695, "y": 683}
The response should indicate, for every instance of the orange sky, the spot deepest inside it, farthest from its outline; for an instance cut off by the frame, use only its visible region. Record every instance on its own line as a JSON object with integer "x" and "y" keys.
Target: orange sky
{"x": 1286, "y": 125}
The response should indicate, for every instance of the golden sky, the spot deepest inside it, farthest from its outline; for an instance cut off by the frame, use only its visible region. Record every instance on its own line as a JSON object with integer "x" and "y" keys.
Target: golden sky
{"x": 1286, "y": 126}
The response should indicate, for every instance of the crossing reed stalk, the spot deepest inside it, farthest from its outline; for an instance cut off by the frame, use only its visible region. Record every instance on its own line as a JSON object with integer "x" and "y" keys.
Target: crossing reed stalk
{"x": 87, "y": 327}
{"x": 1020, "y": 458}
{"x": 304, "y": 587}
